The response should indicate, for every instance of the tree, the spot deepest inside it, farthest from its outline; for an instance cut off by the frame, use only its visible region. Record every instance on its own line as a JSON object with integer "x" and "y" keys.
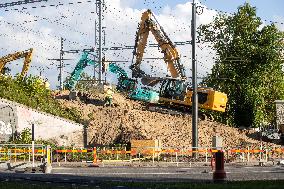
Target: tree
{"x": 83, "y": 84}
{"x": 5, "y": 70}
{"x": 248, "y": 65}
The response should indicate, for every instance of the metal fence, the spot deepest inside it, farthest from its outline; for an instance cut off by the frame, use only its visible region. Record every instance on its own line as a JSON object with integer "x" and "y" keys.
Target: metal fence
{"x": 147, "y": 155}
{"x": 21, "y": 152}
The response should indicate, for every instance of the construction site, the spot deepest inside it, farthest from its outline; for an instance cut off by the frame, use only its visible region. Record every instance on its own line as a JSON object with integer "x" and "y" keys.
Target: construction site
{"x": 163, "y": 102}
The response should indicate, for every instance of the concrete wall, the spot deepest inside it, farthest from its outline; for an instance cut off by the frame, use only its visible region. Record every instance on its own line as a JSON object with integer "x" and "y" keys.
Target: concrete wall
{"x": 8, "y": 121}
{"x": 14, "y": 116}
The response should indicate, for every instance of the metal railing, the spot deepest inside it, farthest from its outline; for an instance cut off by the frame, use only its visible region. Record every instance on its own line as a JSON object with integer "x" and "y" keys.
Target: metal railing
{"x": 22, "y": 152}
{"x": 169, "y": 156}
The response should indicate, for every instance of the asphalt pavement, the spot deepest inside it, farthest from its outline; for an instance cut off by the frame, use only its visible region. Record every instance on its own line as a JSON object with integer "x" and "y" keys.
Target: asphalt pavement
{"x": 174, "y": 173}
{"x": 147, "y": 174}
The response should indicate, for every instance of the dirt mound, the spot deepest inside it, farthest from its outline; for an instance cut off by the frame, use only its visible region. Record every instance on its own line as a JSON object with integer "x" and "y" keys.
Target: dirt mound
{"x": 129, "y": 120}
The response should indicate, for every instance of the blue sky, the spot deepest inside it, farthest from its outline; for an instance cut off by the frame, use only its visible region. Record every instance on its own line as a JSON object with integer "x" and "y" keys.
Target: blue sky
{"x": 268, "y": 10}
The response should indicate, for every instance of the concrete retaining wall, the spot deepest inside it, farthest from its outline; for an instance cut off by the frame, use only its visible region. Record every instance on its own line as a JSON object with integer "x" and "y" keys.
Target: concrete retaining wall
{"x": 8, "y": 120}
{"x": 16, "y": 117}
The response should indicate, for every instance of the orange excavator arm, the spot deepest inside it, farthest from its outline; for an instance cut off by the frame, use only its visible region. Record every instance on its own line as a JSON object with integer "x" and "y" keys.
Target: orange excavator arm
{"x": 171, "y": 57}
{"x": 27, "y": 54}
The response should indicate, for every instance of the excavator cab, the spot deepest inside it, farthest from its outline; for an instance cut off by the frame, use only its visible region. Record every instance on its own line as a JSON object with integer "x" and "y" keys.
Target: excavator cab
{"x": 178, "y": 92}
{"x": 126, "y": 84}
{"x": 174, "y": 89}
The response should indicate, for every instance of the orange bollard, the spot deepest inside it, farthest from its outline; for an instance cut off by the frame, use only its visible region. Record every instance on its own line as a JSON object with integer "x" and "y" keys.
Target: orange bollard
{"x": 219, "y": 174}
{"x": 95, "y": 155}
{"x": 95, "y": 162}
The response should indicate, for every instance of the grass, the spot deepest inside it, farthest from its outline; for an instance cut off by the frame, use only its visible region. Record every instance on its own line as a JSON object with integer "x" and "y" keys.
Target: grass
{"x": 151, "y": 185}
{"x": 31, "y": 92}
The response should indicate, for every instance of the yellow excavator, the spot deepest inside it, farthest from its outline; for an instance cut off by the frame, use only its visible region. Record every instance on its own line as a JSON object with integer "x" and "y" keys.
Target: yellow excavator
{"x": 174, "y": 90}
{"x": 27, "y": 54}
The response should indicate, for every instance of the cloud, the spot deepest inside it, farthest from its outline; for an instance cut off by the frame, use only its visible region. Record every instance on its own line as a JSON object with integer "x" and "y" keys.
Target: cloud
{"x": 280, "y": 22}
{"x": 41, "y": 28}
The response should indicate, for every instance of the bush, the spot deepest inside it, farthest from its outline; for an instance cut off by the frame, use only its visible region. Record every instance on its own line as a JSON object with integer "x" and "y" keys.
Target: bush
{"x": 30, "y": 91}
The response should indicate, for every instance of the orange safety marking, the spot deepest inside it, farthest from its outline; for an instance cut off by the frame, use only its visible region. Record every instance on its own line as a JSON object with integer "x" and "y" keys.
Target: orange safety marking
{"x": 214, "y": 150}
{"x": 246, "y": 151}
{"x": 133, "y": 152}
{"x": 95, "y": 156}
{"x": 25, "y": 150}
{"x": 72, "y": 151}
{"x": 147, "y": 151}
{"x": 115, "y": 152}
{"x": 279, "y": 150}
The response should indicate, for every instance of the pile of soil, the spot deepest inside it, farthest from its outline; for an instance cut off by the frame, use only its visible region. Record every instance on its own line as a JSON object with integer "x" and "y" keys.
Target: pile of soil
{"x": 130, "y": 120}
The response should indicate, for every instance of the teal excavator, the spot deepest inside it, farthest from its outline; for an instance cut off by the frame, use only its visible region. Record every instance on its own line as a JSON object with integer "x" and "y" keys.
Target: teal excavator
{"x": 128, "y": 85}
{"x": 125, "y": 84}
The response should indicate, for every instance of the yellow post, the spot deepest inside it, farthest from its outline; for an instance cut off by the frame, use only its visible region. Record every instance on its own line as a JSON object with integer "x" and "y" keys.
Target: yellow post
{"x": 95, "y": 155}
{"x": 48, "y": 167}
{"x": 48, "y": 155}
{"x": 153, "y": 158}
{"x": 248, "y": 158}
{"x": 206, "y": 155}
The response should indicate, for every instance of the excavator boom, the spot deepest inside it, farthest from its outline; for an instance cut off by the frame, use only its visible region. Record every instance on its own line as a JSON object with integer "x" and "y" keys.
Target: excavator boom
{"x": 171, "y": 57}
{"x": 27, "y": 54}
{"x": 76, "y": 74}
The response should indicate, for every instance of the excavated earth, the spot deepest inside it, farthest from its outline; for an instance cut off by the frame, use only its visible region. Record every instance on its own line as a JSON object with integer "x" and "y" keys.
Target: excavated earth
{"x": 130, "y": 120}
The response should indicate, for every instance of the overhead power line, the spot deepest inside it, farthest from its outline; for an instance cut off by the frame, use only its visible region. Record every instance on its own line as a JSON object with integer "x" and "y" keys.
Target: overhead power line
{"x": 51, "y": 5}
{"x": 20, "y": 3}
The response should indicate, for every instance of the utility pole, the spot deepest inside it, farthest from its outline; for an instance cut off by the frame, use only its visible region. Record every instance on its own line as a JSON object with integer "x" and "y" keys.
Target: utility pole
{"x": 33, "y": 143}
{"x": 194, "y": 83}
{"x": 96, "y": 44}
{"x": 61, "y": 65}
{"x": 99, "y": 3}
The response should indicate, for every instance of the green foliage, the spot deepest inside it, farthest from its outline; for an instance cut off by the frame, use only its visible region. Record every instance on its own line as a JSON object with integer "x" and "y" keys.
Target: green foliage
{"x": 30, "y": 91}
{"x": 83, "y": 84}
{"x": 5, "y": 70}
{"x": 25, "y": 137}
{"x": 248, "y": 66}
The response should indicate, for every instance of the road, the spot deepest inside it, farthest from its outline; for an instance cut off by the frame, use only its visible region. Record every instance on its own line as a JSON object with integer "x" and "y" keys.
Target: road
{"x": 156, "y": 174}
{"x": 174, "y": 173}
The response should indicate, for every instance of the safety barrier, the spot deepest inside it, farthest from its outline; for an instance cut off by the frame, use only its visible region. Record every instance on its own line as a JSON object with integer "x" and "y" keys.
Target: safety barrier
{"x": 254, "y": 155}
{"x": 68, "y": 155}
{"x": 147, "y": 154}
{"x": 15, "y": 152}
{"x": 172, "y": 156}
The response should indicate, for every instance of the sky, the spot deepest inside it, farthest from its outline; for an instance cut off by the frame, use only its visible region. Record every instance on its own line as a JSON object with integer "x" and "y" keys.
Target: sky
{"x": 42, "y": 28}
{"x": 269, "y": 10}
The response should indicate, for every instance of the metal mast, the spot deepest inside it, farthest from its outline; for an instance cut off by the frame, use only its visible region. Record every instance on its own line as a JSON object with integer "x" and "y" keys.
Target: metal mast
{"x": 61, "y": 65}
{"x": 100, "y": 40}
{"x": 194, "y": 82}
